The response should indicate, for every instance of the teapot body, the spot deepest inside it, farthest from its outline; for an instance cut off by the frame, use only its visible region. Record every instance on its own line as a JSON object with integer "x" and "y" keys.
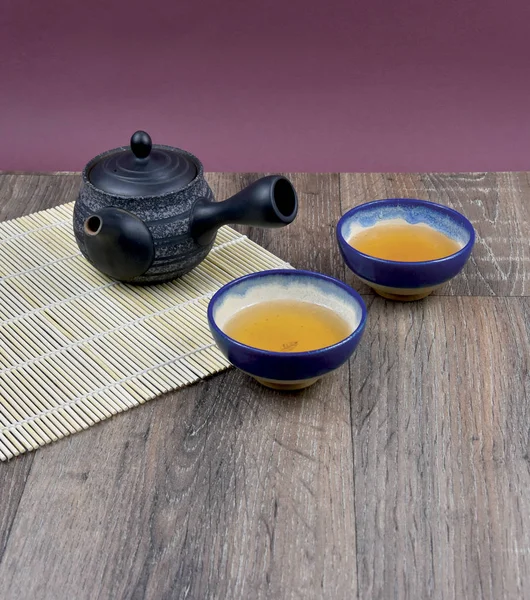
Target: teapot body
{"x": 167, "y": 217}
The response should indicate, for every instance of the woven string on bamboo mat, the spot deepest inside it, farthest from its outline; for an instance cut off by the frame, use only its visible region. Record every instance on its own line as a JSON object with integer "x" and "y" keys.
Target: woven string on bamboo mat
{"x": 77, "y": 347}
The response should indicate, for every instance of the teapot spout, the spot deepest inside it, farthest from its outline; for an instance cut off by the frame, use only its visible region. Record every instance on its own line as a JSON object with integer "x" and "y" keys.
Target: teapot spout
{"x": 269, "y": 202}
{"x": 118, "y": 243}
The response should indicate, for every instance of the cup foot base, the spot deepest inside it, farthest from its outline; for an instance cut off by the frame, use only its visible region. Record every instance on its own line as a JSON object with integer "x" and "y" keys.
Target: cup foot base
{"x": 403, "y": 297}
{"x": 287, "y": 386}
{"x": 400, "y": 294}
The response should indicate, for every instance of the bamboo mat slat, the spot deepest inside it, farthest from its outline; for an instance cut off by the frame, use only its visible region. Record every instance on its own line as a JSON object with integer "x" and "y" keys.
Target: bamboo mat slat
{"x": 77, "y": 347}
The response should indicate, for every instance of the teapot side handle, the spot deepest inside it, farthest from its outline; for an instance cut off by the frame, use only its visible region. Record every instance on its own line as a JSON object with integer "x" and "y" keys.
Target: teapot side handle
{"x": 270, "y": 201}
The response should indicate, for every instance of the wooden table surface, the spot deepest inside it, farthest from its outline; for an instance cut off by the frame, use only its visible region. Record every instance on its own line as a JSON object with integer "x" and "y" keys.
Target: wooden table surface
{"x": 406, "y": 474}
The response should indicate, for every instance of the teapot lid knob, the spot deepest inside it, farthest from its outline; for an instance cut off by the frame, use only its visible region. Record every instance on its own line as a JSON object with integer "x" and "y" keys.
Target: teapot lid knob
{"x": 141, "y": 144}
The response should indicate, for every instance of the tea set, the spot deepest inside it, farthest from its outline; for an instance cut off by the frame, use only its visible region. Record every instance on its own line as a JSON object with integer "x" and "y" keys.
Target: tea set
{"x": 145, "y": 214}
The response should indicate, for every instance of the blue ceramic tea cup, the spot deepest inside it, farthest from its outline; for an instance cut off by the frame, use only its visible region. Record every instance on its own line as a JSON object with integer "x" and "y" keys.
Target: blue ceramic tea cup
{"x": 398, "y": 280}
{"x": 287, "y": 370}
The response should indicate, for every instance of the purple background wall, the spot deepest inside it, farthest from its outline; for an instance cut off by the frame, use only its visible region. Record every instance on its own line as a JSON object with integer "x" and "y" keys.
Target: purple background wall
{"x": 300, "y": 85}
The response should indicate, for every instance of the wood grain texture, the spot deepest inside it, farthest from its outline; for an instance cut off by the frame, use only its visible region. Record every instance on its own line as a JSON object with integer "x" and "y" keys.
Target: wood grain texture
{"x": 13, "y": 476}
{"x": 497, "y": 205}
{"x": 22, "y": 194}
{"x": 211, "y": 493}
{"x": 441, "y": 445}
{"x": 406, "y": 474}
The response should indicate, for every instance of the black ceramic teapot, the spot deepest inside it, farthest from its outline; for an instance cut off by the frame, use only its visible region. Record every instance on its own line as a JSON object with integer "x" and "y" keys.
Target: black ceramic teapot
{"x": 145, "y": 213}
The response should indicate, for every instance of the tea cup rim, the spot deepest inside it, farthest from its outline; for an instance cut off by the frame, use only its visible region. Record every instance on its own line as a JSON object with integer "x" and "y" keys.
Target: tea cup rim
{"x": 289, "y": 272}
{"x": 462, "y": 219}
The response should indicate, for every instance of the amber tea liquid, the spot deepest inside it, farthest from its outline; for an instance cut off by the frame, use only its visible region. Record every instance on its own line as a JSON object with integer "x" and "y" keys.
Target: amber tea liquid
{"x": 402, "y": 241}
{"x": 287, "y": 326}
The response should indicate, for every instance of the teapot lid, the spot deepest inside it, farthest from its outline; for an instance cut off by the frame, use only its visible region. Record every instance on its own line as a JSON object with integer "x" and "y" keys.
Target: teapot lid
{"x": 143, "y": 169}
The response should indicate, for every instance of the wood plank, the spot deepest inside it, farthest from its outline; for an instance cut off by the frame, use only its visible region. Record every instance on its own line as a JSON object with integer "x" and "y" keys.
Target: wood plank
{"x": 222, "y": 490}
{"x": 497, "y": 205}
{"x": 212, "y": 492}
{"x": 22, "y": 194}
{"x": 13, "y": 477}
{"x": 441, "y": 425}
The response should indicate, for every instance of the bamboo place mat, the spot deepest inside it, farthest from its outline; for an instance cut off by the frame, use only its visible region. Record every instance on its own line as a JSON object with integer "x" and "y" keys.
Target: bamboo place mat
{"x": 77, "y": 347}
